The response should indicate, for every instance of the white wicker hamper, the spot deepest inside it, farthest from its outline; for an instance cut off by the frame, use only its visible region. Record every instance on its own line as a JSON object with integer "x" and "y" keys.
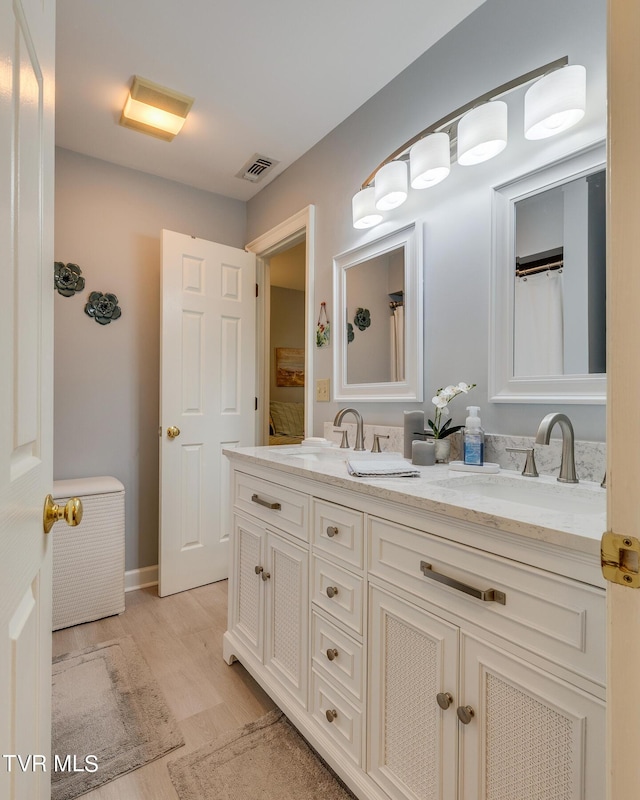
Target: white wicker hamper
{"x": 88, "y": 560}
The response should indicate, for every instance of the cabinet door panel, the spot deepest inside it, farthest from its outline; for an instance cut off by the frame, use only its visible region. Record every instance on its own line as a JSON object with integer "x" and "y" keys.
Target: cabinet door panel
{"x": 287, "y": 615}
{"x": 533, "y": 737}
{"x": 412, "y": 741}
{"x": 248, "y": 589}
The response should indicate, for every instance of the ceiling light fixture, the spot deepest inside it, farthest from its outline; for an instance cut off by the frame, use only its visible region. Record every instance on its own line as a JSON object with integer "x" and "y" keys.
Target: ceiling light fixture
{"x": 474, "y": 132}
{"x": 155, "y": 110}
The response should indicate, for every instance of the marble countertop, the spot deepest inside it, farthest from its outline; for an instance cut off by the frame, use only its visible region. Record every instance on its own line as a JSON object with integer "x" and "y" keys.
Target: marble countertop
{"x": 579, "y": 529}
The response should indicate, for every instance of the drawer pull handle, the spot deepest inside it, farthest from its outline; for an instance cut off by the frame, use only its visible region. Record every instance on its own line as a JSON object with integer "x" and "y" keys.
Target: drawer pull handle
{"x": 332, "y": 591}
{"x": 332, "y": 531}
{"x": 265, "y": 576}
{"x": 332, "y": 653}
{"x": 465, "y": 714}
{"x": 258, "y": 570}
{"x": 255, "y": 498}
{"x": 331, "y": 714}
{"x": 488, "y": 595}
{"x": 444, "y": 700}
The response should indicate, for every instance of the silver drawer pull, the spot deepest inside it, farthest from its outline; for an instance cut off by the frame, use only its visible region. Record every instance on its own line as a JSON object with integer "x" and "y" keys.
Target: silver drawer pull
{"x": 255, "y": 498}
{"x": 265, "y": 576}
{"x": 331, "y": 714}
{"x": 332, "y": 591}
{"x": 465, "y": 714}
{"x": 258, "y": 570}
{"x": 332, "y": 531}
{"x": 444, "y": 700}
{"x": 332, "y": 653}
{"x": 488, "y": 595}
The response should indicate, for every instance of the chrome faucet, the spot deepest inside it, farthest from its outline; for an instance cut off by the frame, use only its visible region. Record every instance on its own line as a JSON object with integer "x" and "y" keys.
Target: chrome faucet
{"x": 567, "y": 462}
{"x": 359, "y": 425}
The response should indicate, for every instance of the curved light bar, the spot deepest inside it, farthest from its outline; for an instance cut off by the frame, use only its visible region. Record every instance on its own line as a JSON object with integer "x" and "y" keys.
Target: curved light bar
{"x": 482, "y": 133}
{"x": 365, "y": 214}
{"x": 391, "y": 185}
{"x": 556, "y": 102}
{"x": 430, "y": 161}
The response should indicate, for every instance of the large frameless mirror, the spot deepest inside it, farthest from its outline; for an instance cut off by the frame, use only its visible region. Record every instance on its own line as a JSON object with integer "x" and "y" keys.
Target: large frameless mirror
{"x": 548, "y": 332}
{"x": 378, "y": 335}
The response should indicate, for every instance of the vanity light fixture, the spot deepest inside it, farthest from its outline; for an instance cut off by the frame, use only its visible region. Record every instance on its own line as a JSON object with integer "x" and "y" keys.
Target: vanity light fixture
{"x": 472, "y": 134}
{"x": 365, "y": 213}
{"x": 391, "y": 185}
{"x": 430, "y": 160}
{"x": 482, "y": 133}
{"x": 556, "y": 102}
{"x": 155, "y": 110}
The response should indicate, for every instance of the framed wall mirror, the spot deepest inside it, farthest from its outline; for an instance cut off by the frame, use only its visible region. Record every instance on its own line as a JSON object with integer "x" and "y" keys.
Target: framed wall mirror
{"x": 378, "y": 334}
{"x": 548, "y": 288}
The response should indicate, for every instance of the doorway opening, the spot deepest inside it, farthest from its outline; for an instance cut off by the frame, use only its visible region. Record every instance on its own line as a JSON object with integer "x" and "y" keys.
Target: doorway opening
{"x": 285, "y": 322}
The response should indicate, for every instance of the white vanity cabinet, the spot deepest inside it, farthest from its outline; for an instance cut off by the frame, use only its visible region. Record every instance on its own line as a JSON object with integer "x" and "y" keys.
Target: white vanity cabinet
{"x": 268, "y": 607}
{"x": 397, "y": 662}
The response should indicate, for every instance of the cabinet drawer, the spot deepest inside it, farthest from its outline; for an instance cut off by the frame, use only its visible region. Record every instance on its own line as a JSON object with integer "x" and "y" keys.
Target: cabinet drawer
{"x": 338, "y": 592}
{"x": 345, "y": 727}
{"x": 560, "y": 619}
{"x": 338, "y": 532}
{"x": 272, "y": 503}
{"x": 337, "y": 656}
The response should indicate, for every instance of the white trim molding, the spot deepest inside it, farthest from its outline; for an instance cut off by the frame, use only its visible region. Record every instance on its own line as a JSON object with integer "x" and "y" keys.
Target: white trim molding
{"x": 140, "y": 578}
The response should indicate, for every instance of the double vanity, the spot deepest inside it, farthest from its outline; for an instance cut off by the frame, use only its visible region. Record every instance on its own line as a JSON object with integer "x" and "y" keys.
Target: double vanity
{"x": 433, "y": 638}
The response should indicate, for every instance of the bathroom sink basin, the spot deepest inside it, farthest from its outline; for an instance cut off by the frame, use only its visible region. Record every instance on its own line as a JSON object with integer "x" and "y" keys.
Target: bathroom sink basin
{"x": 535, "y": 492}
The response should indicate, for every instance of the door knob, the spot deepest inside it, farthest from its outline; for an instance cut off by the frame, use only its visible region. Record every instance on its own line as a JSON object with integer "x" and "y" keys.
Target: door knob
{"x": 52, "y": 512}
{"x": 331, "y": 714}
{"x": 172, "y": 432}
{"x": 332, "y": 653}
{"x": 332, "y": 591}
{"x": 444, "y": 700}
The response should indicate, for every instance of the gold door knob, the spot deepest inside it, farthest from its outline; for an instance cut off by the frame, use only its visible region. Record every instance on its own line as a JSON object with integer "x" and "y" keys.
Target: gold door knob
{"x": 172, "y": 432}
{"x": 52, "y": 512}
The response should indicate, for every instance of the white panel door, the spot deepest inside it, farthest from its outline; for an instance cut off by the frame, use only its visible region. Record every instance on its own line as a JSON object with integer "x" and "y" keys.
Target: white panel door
{"x": 207, "y": 401}
{"x": 27, "y": 37}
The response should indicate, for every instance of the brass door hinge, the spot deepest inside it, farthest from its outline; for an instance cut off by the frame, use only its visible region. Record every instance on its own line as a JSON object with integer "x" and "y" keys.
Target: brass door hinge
{"x": 620, "y": 559}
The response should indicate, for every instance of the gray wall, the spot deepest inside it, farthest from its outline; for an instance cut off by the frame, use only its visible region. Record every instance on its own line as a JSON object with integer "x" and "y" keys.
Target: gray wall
{"x": 108, "y": 220}
{"x": 499, "y": 41}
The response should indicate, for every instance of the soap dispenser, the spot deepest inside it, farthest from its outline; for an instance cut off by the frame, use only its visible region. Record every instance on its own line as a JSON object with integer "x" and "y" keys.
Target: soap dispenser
{"x": 473, "y": 438}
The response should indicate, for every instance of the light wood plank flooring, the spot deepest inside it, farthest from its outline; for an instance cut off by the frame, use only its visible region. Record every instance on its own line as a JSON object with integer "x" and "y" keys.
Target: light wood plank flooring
{"x": 181, "y": 638}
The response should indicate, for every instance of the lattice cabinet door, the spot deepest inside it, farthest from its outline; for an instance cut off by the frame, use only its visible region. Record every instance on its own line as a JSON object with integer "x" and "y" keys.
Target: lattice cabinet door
{"x": 531, "y": 735}
{"x": 413, "y": 658}
{"x": 287, "y": 615}
{"x": 246, "y": 588}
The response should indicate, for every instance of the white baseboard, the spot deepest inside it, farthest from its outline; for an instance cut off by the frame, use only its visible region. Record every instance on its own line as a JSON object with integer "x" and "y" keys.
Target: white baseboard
{"x": 140, "y": 578}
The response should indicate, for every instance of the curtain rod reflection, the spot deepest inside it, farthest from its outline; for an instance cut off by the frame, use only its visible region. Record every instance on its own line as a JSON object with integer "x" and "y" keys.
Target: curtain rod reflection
{"x": 556, "y": 265}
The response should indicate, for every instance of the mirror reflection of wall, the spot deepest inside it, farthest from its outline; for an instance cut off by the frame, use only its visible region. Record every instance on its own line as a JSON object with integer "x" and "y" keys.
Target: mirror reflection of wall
{"x": 376, "y": 353}
{"x": 559, "y": 302}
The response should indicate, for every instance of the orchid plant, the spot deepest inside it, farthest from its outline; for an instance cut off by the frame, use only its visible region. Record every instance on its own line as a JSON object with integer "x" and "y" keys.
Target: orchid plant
{"x": 441, "y": 401}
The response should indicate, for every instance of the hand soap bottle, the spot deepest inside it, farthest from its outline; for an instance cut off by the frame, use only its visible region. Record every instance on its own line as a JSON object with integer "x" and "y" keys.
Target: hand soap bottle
{"x": 473, "y": 438}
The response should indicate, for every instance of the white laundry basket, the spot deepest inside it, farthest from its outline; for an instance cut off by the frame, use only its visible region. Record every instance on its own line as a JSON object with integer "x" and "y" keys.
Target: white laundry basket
{"x": 88, "y": 560}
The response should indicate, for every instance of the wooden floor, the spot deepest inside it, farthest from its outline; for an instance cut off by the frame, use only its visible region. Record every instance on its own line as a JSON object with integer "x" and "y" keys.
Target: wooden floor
{"x": 181, "y": 638}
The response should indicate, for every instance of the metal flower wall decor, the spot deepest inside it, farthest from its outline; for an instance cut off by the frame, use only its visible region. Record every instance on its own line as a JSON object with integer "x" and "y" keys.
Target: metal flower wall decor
{"x": 67, "y": 278}
{"x": 362, "y": 319}
{"x": 103, "y": 308}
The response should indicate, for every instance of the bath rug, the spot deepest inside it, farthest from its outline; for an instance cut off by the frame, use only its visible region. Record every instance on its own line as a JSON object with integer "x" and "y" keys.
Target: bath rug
{"x": 108, "y": 717}
{"x": 266, "y": 759}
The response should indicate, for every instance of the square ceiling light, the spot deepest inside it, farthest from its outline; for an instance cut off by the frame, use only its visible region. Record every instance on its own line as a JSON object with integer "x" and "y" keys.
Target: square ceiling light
{"x": 155, "y": 110}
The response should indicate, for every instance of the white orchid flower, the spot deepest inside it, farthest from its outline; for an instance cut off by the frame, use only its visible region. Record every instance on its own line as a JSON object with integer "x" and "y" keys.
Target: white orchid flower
{"x": 464, "y": 387}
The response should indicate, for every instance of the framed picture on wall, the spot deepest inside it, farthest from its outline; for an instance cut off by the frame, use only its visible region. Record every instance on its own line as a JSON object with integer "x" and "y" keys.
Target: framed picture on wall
{"x": 289, "y": 366}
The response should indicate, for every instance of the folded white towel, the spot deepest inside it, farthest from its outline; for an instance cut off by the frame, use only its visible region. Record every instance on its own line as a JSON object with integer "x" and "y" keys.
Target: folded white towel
{"x": 377, "y": 469}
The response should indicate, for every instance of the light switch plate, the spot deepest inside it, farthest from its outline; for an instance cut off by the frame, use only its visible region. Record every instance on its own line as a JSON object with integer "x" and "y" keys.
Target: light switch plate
{"x": 322, "y": 390}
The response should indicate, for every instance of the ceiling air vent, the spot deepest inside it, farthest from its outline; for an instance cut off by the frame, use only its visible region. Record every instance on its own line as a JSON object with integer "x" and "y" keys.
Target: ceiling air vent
{"x": 256, "y": 168}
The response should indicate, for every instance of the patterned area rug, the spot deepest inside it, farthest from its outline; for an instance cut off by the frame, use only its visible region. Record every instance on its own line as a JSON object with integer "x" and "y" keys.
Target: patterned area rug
{"x": 108, "y": 712}
{"x": 266, "y": 759}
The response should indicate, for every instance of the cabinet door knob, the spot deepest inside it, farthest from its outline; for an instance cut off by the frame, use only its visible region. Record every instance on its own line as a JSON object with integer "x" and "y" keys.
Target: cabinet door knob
{"x": 332, "y": 531}
{"x": 465, "y": 714}
{"x": 332, "y": 591}
{"x": 258, "y": 570}
{"x": 331, "y": 714}
{"x": 265, "y": 575}
{"x": 332, "y": 653}
{"x": 444, "y": 700}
